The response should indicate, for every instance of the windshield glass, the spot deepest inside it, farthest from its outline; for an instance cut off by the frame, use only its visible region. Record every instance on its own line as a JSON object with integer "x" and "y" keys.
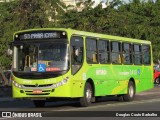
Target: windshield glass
{"x": 41, "y": 57}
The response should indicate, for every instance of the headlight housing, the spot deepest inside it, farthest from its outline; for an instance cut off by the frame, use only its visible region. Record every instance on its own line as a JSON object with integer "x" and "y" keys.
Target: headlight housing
{"x": 62, "y": 82}
{"x": 17, "y": 84}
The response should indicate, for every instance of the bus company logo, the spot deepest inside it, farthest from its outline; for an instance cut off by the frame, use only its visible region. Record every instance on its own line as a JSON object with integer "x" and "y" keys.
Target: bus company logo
{"x": 101, "y": 72}
{"x": 138, "y": 72}
{"x": 36, "y": 85}
{"x": 6, "y": 114}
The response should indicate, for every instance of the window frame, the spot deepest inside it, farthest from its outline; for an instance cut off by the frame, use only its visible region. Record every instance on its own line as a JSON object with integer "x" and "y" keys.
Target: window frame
{"x": 71, "y": 50}
{"x": 97, "y": 52}
{"x": 107, "y": 51}
{"x": 140, "y": 53}
{"x": 149, "y": 54}
{"x": 119, "y": 52}
{"x": 130, "y": 52}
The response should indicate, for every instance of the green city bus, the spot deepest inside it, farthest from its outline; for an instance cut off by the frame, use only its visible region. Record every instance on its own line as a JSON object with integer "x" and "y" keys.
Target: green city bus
{"x": 59, "y": 63}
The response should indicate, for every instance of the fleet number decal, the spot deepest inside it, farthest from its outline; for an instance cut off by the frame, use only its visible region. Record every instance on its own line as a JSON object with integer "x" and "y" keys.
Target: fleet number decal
{"x": 101, "y": 72}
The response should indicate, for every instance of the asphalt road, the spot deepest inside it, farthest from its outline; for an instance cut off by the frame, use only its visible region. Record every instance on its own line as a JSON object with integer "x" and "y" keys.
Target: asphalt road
{"x": 145, "y": 103}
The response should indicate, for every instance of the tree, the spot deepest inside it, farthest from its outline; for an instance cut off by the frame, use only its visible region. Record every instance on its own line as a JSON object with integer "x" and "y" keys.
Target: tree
{"x": 144, "y": 22}
{"x": 35, "y": 14}
{"x": 88, "y": 19}
{"x": 5, "y": 37}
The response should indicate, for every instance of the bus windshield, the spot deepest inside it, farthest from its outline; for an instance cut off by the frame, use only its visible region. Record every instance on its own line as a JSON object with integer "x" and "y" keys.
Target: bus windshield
{"x": 41, "y": 57}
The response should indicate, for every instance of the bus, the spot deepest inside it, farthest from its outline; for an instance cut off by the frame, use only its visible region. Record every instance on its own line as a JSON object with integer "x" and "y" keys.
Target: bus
{"x": 63, "y": 63}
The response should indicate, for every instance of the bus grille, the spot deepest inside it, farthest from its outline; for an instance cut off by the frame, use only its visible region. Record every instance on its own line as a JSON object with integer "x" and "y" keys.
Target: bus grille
{"x": 47, "y": 85}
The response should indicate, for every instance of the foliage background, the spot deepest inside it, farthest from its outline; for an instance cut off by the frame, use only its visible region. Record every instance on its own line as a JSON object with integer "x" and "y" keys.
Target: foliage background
{"x": 136, "y": 19}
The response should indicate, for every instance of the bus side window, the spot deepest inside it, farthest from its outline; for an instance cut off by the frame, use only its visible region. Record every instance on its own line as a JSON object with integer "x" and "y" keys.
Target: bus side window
{"x": 103, "y": 50}
{"x": 76, "y": 53}
{"x": 91, "y": 46}
{"x": 127, "y": 53}
{"x": 146, "y": 54}
{"x": 116, "y": 53}
{"x": 137, "y": 54}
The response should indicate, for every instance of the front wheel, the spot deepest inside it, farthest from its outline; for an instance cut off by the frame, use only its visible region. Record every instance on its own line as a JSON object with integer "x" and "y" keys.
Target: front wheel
{"x": 86, "y": 100}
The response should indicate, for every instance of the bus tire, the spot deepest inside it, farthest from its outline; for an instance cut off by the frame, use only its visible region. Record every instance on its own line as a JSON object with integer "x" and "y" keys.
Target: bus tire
{"x": 86, "y": 100}
{"x": 39, "y": 103}
{"x": 120, "y": 98}
{"x": 130, "y": 92}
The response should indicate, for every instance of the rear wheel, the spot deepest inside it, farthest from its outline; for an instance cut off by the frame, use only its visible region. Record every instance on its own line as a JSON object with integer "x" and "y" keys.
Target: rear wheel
{"x": 120, "y": 98}
{"x": 39, "y": 103}
{"x": 130, "y": 93}
{"x": 87, "y": 98}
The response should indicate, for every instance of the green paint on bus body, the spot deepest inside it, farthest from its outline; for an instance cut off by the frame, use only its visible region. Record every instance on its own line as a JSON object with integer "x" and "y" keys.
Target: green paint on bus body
{"x": 108, "y": 79}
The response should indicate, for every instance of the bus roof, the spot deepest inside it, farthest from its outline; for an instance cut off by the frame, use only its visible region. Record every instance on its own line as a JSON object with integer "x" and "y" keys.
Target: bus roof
{"x": 89, "y": 34}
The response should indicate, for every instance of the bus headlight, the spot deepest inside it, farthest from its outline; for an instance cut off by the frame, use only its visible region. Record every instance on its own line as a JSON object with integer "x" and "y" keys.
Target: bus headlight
{"x": 64, "y": 81}
{"x": 17, "y": 84}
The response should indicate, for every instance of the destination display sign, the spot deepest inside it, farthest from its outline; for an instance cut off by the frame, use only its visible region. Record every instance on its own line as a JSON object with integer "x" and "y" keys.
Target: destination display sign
{"x": 41, "y": 35}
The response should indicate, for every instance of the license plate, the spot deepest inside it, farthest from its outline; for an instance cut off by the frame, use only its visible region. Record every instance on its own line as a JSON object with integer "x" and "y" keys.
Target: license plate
{"x": 37, "y": 91}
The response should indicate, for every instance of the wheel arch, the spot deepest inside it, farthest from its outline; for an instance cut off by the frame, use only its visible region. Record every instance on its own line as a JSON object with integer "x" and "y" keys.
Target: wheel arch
{"x": 91, "y": 82}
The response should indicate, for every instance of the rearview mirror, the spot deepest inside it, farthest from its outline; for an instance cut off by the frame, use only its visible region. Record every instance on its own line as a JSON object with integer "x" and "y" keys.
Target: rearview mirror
{"x": 9, "y": 52}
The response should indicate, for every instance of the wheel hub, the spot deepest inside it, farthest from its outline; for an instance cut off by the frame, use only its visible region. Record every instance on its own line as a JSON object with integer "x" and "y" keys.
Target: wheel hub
{"x": 88, "y": 95}
{"x": 131, "y": 91}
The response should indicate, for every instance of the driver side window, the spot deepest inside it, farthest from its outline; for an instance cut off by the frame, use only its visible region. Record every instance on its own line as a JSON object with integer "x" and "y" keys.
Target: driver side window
{"x": 76, "y": 53}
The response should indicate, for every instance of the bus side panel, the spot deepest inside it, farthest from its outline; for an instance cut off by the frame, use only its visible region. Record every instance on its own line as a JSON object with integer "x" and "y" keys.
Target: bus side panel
{"x": 142, "y": 76}
{"x": 78, "y": 82}
{"x": 98, "y": 75}
{"x": 112, "y": 79}
{"x": 106, "y": 80}
{"x": 120, "y": 80}
{"x": 145, "y": 78}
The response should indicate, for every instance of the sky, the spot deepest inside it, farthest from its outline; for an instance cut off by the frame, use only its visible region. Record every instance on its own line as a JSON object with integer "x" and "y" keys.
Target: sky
{"x": 104, "y": 2}
{"x": 110, "y": 0}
